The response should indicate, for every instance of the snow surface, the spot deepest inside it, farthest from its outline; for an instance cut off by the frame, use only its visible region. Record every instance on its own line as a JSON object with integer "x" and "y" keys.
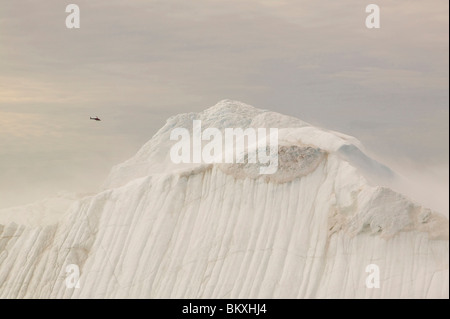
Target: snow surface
{"x": 165, "y": 230}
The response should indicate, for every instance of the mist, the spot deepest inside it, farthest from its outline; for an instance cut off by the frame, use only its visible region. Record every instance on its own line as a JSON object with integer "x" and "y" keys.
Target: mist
{"x": 428, "y": 186}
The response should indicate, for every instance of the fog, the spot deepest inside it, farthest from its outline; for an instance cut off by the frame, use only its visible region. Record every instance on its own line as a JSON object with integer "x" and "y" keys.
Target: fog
{"x": 428, "y": 186}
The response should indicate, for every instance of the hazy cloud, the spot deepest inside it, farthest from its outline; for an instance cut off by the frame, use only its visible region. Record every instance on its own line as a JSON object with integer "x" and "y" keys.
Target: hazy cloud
{"x": 135, "y": 63}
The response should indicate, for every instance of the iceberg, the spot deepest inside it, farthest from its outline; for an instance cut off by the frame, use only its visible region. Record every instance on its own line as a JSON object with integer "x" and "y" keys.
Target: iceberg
{"x": 314, "y": 229}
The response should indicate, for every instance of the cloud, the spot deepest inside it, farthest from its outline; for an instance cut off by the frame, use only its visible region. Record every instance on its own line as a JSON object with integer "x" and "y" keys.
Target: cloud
{"x": 135, "y": 63}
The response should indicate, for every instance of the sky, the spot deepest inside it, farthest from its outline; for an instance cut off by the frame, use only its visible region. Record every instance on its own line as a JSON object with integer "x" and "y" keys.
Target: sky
{"x": 135, "y": 63}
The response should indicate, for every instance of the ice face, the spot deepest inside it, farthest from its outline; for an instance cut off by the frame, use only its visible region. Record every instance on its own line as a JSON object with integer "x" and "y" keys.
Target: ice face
{"x": 158, "y": 230}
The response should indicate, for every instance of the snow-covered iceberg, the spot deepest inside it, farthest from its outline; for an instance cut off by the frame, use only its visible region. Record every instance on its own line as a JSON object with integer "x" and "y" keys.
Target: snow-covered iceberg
{"x": 165, "y": 230}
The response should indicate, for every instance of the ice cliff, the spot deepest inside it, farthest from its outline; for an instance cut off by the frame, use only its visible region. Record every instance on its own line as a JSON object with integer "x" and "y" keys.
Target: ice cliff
{"x": 165, "y": 230}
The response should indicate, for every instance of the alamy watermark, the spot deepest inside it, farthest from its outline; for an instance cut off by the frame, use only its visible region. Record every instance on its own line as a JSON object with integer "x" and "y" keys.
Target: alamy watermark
{"x": 372, "y": 20}
{"x": 373, "y": 279}
{"x": 262, "y": 146}
{"x": 73, "y": 19}
{"x": 73, "y": 276}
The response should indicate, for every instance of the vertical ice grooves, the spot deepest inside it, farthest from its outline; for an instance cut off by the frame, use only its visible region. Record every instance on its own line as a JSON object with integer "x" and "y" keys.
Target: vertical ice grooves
{"x": 210, "y": 235}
